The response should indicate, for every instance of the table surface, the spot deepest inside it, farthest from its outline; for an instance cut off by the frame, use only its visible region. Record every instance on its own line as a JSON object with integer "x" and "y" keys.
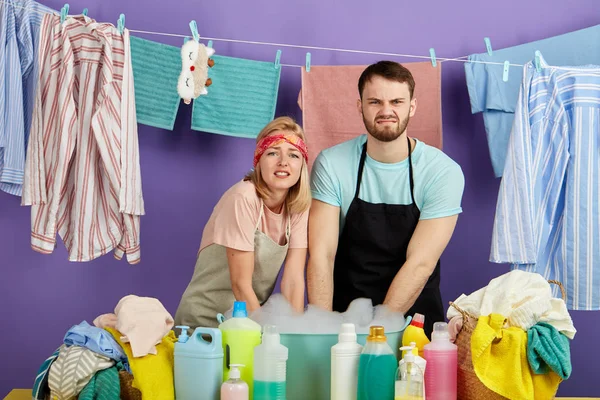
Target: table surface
{"x": 25, "y": 394}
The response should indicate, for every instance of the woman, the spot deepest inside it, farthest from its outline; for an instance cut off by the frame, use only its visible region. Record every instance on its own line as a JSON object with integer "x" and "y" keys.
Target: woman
{"x": 256, "y": 225}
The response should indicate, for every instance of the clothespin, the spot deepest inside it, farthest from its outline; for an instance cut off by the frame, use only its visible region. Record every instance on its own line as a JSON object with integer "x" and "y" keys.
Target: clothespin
{"x": 278, "y": 59}
{"x": 209, "y": 44}
{"x": 505, "y": 71}
{"x": 433, "y": 59}
{"x": 85, "y": 12}
{"x": 538, "y": 64}
{"x": 194, "y": 29}
{"x": 64, "y": 11}
{"x": 488, "y": 45}
{"x": 307, "y": 62}
{"x": 121, "y": 23}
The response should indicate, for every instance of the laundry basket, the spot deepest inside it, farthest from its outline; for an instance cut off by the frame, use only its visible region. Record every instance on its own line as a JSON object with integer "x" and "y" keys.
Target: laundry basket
{"x": 469, "y": 387}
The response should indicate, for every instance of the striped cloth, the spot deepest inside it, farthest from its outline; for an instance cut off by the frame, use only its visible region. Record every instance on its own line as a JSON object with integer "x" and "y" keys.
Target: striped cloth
{"x": 40, "y": 385}
{"x": 82, "y": 173}
{"x": 548, "y": 213}
{"x": 73, "y": 369}
{"x": 104, "y": 385}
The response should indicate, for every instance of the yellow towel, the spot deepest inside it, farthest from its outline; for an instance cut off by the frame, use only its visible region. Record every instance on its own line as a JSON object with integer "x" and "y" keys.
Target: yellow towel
{"x": 152, "y": 374}
{"x": 500, "y": 362}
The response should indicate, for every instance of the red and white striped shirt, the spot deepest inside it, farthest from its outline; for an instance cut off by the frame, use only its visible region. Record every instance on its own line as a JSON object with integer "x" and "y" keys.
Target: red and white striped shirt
{"x": 82, "y": 173}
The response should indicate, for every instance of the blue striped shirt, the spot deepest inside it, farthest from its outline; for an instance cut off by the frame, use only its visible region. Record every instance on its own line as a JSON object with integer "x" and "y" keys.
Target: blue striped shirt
{"x": 19, "y": 36}
{"x": 548, "y": 211}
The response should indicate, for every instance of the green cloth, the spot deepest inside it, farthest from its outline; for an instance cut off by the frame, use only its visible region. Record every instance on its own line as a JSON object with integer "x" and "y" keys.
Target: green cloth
{"x": 104, "y": 385}
{"x": 548, "y": 349}
{"x": 156, "y": 69}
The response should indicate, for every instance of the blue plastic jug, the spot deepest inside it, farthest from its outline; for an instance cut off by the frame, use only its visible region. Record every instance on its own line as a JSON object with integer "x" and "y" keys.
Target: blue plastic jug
{"x": 198, "y": 364}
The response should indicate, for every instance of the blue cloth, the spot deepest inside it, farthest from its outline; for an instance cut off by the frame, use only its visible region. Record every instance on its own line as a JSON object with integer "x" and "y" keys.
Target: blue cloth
{"x": 19, "y": 41}
{"x": 548, "y": 215}
{"x": 41, "y": 391}
{"x": 438, "y": 189}
{"x": 97, "y": 340}
{"x": 156, "y": 68}
{"x": 548, "y": 349}
{"x": 497, "y": 99}
{"x": 241, "y": 99}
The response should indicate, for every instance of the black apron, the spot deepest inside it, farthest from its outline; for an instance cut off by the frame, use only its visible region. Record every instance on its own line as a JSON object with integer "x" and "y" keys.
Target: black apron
{"x": 372, "y": 249}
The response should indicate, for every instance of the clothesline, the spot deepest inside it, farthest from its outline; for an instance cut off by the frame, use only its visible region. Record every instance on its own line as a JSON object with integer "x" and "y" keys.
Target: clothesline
{"x": 440, "y": 59}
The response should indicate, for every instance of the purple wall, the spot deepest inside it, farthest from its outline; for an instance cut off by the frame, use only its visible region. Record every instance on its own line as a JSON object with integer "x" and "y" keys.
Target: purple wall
{"x": 185, "y": 172}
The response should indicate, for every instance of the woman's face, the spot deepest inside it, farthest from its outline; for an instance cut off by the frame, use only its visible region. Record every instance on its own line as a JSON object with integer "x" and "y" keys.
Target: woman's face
{"x": 280, "y": 165}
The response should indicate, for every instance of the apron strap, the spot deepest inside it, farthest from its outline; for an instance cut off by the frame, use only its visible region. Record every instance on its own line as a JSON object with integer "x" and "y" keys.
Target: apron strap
{"x": 260, "y": 215}
{"x": 361, "y": 165}
{"x": 410, "y": 172}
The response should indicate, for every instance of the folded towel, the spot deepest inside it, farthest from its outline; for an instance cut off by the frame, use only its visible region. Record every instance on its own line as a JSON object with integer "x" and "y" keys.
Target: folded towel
{"x": 548, "y": 349}
{"x": 328, "y": 102}
{"x": 156, "y": 69}
{"x": 241, "y": 99}
{"x": 152, "y": 374}
{"x": 500, "y": 361}
{"x": 97, "y": 340}
{"x": 143, "y": 321}
{"x": 104, "y": 385}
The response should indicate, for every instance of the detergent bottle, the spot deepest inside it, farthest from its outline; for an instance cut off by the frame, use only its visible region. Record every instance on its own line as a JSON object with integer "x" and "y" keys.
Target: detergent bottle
{"x": 410, "y": 379}
{"x": 240, "y": 336}
{"x": 442, "y": 364}
{"x": 234, "y": 388}
{"x": 415, "y": 333}
{"x": 345, "y": 357}
{"x": 377, "y": 367}
{"x": 270, "y": 362}
{"x": 198, "y": 370}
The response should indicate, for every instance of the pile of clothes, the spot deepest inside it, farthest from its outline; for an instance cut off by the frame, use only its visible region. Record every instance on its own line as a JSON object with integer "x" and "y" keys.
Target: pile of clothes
{"x": 132, "y": 346}
{"x": 520, "y": 344}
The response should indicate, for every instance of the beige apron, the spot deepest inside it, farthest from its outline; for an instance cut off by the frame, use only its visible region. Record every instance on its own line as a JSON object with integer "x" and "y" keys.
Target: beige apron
{"x": 209, "y": 292}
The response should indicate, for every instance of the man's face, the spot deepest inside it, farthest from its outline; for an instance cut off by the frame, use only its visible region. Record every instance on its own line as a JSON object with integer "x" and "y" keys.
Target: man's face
{"x": 386, "y": 108}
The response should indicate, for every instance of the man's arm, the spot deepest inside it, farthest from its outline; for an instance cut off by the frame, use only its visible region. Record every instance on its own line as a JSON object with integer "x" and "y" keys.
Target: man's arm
{"x": 323, "y": 231}
{"x": 424, "y": 250}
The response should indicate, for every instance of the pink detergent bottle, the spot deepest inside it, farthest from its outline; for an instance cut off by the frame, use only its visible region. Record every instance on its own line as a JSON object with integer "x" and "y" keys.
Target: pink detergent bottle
{"x": 442, "y": 364}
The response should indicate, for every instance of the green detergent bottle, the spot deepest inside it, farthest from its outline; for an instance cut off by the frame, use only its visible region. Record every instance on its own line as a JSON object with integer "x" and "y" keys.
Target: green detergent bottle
{"x": 240, "y": 336}
{"x": 376, "y": 368}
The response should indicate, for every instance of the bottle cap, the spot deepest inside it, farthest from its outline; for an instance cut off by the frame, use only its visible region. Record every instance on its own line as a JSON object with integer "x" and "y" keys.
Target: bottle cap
{"x": 347, "y": 333}
{"x": 239, "y": 309}
{"x": 418, "y": 320}
{"x": 409, "y": 356}
{"x": 440, "y": 331}
{"x": 376, "y": 334}
{"x": 183, "y": 336}
{"x": 235, "y": 373}
{"x": 270, "y": 334}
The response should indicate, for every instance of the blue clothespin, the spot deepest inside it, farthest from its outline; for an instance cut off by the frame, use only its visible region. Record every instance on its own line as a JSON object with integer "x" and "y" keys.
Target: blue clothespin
{"x": 488, "y": 45}
{"x": 433, "y": 59}
{"x": 307, "y": 62}
{"x": 121, "y": 23}
{"x": 194, "y": 29}
{"x": 209, "y": 44}
{"x": 85, "y": 12}
{"x": 505, "y": 71}
{"x": 538, "y": 64}
{"x": 278, "y": 59}
{"x": 64, "y": 11}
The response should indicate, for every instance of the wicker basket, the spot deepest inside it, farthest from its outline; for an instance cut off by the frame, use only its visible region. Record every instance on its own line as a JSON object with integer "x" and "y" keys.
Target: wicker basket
{"x": 469, "y": 387}
{"x": 128, "y": 392}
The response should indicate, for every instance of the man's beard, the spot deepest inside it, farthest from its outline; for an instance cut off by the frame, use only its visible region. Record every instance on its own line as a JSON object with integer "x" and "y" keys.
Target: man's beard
{"x": 386, "y": 133}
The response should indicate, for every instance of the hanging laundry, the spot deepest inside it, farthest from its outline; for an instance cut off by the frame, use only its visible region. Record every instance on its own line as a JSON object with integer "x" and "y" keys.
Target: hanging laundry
{"x": 73, "y": 369}
{"x": 156, "y": 68}
{"x": 82, "y": 173}
{"x": 548, "y": 215}
{"x": 328, "y": 102}
{"x": 19, "y": 41}
{"x": 241, "y": 98}
{"x": 497, "y": 99}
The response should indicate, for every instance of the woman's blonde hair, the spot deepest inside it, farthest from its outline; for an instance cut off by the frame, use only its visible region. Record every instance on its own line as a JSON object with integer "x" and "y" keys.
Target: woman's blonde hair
{"x": 298, "y": 197}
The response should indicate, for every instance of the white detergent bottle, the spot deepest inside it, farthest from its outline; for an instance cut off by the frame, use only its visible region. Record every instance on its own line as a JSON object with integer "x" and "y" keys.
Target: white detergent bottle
{"x": 345, "y": 356}
{"x": 270, "y": 361}
{"x": 234, "y": 388}
{"x": 410, "y": 382}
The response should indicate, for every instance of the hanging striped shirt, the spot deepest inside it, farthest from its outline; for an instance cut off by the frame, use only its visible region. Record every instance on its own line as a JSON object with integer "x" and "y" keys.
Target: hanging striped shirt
{"x": 19, "y": 39}
{"x": 548, "y": 210}
{"x": 82, "y": 173}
